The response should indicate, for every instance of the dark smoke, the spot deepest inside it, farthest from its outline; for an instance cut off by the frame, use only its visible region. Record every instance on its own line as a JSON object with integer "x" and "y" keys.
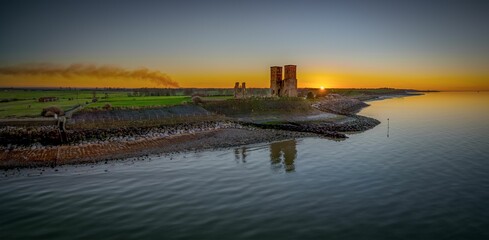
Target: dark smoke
{"x": 90, "y": 70}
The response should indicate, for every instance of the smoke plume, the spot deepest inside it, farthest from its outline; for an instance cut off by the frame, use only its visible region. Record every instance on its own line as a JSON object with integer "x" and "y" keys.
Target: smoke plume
{"x": 89, "y": 70}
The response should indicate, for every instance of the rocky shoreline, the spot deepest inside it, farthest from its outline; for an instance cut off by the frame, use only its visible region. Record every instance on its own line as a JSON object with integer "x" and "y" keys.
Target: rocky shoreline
{"x": 17, "y": 137}
{"x": 338, "y": 104}
{"x": 99, "y": 151}
{"x": 326, "y": 129}
{"x": 95, "y": 145}
{"x": 35, "y": 146}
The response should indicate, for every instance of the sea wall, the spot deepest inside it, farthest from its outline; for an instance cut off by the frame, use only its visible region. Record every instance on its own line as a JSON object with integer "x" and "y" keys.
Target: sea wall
{"x": 51, "y": 136}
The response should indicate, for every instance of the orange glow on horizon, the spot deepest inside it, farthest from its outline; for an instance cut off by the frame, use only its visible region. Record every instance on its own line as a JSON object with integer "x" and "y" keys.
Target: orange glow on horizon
{"x": 261, "y": 80}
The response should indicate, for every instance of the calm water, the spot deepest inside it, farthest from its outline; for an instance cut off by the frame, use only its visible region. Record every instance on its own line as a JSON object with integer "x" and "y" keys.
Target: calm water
{"x": 422, "y": 175}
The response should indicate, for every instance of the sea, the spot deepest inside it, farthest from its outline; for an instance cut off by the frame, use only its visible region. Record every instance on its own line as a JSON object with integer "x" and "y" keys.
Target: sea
{"x": 423, "y": 173}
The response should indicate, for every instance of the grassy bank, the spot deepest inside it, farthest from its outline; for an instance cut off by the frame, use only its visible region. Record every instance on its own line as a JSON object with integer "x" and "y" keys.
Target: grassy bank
{"x": 258, "y": 106}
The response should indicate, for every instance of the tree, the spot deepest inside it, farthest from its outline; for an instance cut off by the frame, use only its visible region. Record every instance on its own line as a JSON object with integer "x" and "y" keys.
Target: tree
{"x": 310, "y": 95}
{"x": 187, "y": 91}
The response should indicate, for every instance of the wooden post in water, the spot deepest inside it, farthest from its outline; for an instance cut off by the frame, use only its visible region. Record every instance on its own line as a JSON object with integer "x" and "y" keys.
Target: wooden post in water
{"x": 387, "y": 127}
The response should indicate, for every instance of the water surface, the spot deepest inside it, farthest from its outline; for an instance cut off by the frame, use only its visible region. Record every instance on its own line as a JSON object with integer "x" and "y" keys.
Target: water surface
{"x": 422, "y": 174}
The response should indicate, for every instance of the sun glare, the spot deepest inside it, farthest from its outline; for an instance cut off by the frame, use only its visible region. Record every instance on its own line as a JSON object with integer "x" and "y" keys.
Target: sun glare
{"x": 322, "y": 87}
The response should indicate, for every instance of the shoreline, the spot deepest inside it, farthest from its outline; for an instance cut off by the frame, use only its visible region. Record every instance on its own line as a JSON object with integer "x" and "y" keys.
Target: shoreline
{"x": 104, "y": 144}
{"x": 98, "y": 152}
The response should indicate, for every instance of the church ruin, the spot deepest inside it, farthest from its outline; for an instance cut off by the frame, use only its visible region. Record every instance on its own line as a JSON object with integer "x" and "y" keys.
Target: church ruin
{"x": 286, "y": 87}
{"x": 240, "y": 91}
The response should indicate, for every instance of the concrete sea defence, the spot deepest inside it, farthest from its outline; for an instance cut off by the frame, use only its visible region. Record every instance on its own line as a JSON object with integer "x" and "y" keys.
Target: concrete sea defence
{"x": 32, "y": 137}
{"x": 96, "y": 151}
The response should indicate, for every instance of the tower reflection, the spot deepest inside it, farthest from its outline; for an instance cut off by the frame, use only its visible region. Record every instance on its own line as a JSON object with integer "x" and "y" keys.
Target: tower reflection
{"x": 283, "y": 155}
{"x": 240, "y": 154}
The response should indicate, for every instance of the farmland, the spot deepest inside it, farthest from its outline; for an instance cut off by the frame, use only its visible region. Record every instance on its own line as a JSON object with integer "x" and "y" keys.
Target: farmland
{"x": 24, "y": 102}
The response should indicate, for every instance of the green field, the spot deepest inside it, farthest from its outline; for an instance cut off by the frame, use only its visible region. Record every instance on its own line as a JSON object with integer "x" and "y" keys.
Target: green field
{"x": 24, "y": 103}
{"x": 140, "y": 101}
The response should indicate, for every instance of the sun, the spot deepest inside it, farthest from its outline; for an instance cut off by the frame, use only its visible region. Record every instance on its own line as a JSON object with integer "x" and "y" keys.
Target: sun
{"x": 322, "y": 87}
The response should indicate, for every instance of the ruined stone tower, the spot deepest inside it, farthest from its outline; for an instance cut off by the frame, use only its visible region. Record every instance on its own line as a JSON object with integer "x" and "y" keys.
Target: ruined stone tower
{"x": 237, "y": 90}
{"x": 275, "y": 80}
{"x": 286, "y": 87}
{"x": 290, "y": 81}
{"x": 240, "y": 90}
{"x": 290, "y": 71}
{"x": 243, "y": 89}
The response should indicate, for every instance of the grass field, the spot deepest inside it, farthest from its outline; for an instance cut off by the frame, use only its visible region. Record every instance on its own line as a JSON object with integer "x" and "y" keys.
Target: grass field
{"x": 24, "y": 103}
{"x": 141, "y": 101}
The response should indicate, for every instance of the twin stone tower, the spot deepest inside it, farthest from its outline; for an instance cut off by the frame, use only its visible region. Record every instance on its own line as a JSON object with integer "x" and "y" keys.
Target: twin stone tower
{"x": 285, "y": 86}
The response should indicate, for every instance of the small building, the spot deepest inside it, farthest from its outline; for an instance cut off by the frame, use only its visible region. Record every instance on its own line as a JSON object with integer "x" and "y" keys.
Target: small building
{"x": 48, "y": 99}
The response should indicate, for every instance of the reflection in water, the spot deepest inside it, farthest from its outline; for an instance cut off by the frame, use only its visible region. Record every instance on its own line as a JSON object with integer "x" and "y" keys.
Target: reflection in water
{"x": 240, "y": 154}
{"x": 283, "y": 154}
{"x": 388, "y": 124}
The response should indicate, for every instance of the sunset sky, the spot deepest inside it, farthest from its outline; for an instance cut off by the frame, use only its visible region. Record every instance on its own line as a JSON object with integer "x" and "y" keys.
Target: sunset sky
{"x": 440, "y": 45}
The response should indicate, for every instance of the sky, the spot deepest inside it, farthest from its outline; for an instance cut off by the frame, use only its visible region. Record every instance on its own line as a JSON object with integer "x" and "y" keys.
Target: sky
{"x": 441, "y": 45}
